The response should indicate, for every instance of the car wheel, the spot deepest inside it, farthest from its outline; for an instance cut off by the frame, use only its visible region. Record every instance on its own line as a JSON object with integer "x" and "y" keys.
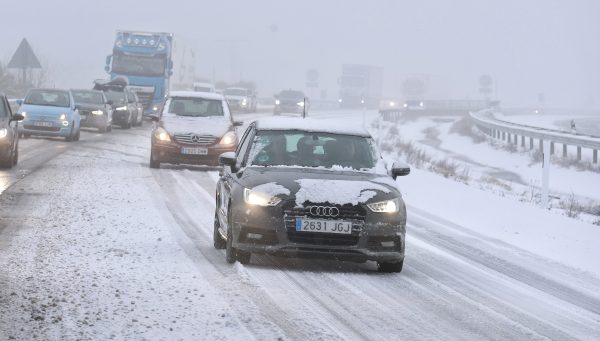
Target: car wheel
{"x": 153, "y": 163}
{"x": 218, "y": 242}
{"x": 15, "y": 158}
{"x": 390, "y": 267}
{"x": 229, "y": 250}
{"x": 8, "y": 162}
{"x": 70, "y": 137}
{"x": 77, "y": 136}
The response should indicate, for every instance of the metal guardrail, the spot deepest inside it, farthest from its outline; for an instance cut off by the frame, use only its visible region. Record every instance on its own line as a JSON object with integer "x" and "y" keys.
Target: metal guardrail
{"x": 510, "y": 132}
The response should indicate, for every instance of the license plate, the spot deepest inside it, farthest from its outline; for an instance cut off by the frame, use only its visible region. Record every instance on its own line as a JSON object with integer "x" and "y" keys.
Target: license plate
{"x": 323, "y": 226}
{"x": 42, "y": 124}
{"x": 194, "y": 151}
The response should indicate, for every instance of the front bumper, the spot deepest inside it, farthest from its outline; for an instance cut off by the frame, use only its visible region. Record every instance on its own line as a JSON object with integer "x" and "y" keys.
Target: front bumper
{"x": 57, "y": 129}
{"x": 172, "y": 153}
{"x": 94, "y": 121}
{"x": 121, "y": 117}
{"x": 376, "y": 236}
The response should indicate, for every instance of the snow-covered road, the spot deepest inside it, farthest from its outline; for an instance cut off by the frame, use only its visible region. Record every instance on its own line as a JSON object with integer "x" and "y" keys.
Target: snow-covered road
{"x": 95, "y": 245}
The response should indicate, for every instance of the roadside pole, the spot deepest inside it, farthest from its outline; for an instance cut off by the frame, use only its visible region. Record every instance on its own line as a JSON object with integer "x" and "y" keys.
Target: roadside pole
{"x": 545, "y": 173}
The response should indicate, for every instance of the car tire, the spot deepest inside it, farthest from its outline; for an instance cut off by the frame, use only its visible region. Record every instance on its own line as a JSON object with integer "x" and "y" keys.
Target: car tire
{"x": 70, "y": 137}
{"x": 7, "y": 163}
{"x": 77, "y": 136}
{"x": 218, "y": 242}
{"x": 15, "y": 158}
{"x": 230, "y": 256}
{"x": 390, "y": 267}
{"x": 153, "y": 163}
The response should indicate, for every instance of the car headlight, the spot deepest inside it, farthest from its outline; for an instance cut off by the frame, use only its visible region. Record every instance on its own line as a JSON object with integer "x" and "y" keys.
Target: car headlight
{"x": 123, "y": 108}
{"x": 388, "y": 206}
{"x": 259, "y": 198}
{"x": 155, "y": 108}
{"x": 162, "y": 135}
{"x": 300, "y": 103}
{"x": 63, "y": 117}
{"x": 277, "y": 102}
{"x": 24, "y": 114}
{"x": 98, "y": 112}
{"x": 3, "y": 133}
{"x": 392, "y": 104}
{"x": 229, "y": 138}
{"x": 244, "y": 101}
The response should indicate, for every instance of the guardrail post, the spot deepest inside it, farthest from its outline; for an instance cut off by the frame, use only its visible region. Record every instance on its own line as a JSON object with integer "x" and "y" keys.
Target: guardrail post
{"x": 503, "y": 136}
{"x": 508, "y": 138}
{"x": 541, "y": 145}
{"x": 516, "y": 139}
{"x": 595, "y": 158}
{"x": 523, "y": 141}
{"x": 531, "y": 143}
{"x": 578, "y": 153}
{"x": 551, "y": 148}
{"x": 564, "y": 150}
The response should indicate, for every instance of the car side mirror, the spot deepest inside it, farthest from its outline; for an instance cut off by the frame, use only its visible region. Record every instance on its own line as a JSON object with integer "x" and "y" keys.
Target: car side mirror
{"x": 227, "y": 159}
{"x": 110, "y": 102}
{"x": 76, "y": 107}
{"x": 238, "y": 123}
{"x": 154, "y": 117}
{"x": 400, "y": 169}
{"x": 17, "y": 117}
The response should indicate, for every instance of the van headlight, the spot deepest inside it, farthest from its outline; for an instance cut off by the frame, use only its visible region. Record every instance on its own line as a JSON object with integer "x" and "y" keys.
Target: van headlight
{"x": 98, "y": 112}
{"x": 259, "y": 198}
{"x": 229, "y": 138}
{"x": 162, "y": 135}
{"x": 388, "y": 206}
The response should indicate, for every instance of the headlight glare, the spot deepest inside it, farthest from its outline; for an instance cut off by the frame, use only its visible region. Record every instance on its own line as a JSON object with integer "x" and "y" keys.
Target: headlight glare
{"x": 259, "y": 199}
{"x": 229, "y": 138}
{"x": 162, "y": 135}
{"x": 277, "y": 102}
{"x": 301, "y": 103}
{"x": 123, "y": 108}
{"x": 388, "y": 206}
{"x": 63, "y": 117}
{"x": 3, "y": 133}
{"x": 98, "y": 112}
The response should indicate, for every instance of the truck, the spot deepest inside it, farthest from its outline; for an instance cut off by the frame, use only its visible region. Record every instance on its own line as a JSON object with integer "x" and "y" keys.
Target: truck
{"x": 360, "y": 86}
{"x": 144, "y": 60}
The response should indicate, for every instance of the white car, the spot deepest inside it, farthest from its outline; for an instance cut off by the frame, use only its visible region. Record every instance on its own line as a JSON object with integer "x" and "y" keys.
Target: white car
{"x": 240, "y": 99}
{"x": 204, "y": 87}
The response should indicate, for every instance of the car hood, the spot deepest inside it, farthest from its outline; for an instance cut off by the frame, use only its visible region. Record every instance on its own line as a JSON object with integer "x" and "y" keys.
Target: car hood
{"x": 235, "y": 97}
{"x": 176, "y": 125}
{"x": 320, "y": 186}
{"x": 88, "y": 106}
{"x": 43, "y": 110}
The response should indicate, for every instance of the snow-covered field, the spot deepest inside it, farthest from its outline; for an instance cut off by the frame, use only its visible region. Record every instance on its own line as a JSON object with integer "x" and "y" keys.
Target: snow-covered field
{"x": 95, "y": 246}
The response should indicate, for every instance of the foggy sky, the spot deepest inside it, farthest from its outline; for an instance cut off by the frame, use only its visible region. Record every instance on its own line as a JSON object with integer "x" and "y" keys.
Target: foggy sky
{"x": 528, "y": 46}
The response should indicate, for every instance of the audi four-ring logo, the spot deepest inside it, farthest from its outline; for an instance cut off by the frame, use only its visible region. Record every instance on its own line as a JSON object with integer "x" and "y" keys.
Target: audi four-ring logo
{"x": 324, "y": 211}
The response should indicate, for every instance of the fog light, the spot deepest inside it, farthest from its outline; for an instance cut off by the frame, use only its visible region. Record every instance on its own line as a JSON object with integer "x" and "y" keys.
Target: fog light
{"x": 256, "y": 236}
{"x": 388, "y": 244}
{"x": 65, "y": 123}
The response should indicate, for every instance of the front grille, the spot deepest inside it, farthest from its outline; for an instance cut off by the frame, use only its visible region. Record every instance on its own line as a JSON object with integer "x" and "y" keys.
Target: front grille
{"x": 146, "y": 98}
{"x": 354, "y": 214}
{"x": 85, "y": 112}
{"x": 203, "y": 140}
{"x": 32, "y": 127}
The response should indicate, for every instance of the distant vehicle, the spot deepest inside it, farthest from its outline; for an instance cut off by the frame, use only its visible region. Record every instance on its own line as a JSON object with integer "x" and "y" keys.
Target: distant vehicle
{"x": 204, "y": 87}
{"x": 134, "y": 100}
{"x": 144, "y": 59}
{"x": 125, "y": 109}
{"x": 290, "y": 101}
{"x": 194, "y": 128}
{"x": 308, "y": 188}
{"x": 360, "y": 86}
{"x": 94, "y": 109}
{"x": 9, "y": 136}
{"x": 240, "y": 99}
{"x": 50, "y": 112}
{"x": 414, "y": 105}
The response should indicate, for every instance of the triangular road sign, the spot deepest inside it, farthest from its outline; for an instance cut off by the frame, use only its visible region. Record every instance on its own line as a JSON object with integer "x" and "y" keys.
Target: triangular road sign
{"x": 24, "y": 58}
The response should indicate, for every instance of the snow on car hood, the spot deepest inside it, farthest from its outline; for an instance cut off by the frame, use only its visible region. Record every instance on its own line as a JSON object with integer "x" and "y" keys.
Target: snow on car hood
{"x": 315, "y": 185}
{"x": 337, "y": 192}
{"x": 215, "y": 126}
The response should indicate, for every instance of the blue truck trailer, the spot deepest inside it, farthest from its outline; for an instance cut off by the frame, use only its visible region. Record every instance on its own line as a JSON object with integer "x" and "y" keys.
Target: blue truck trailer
{"x": 144, "y": 59}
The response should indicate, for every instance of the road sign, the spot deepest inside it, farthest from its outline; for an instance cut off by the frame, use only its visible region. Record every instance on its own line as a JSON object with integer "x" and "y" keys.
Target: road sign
{"x": 24, "y": 58}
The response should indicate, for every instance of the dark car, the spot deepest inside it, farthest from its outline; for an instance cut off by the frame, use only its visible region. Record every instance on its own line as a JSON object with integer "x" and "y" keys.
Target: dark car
{"x": 194, "y": 129}
{"x": 240, "y": 99}
{"x": 297, "y": 187}
{"x": 94, "y": 108}
{"x": 9, "y": 136}
{"x": 289, "y": 101}
{"x": 124, "y": 111}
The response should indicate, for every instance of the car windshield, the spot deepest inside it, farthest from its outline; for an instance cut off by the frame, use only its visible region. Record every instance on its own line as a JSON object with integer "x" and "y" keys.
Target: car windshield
{"x": 309, "y": 149}
{"x": 196, "y": 107}
{"x": 54, "y": 98}
{"x": 291, "y": 95}
{"x": 235, "y": 92}
{"x": 88, "y": 97}
{"x": 138, "y": 65}
{"x": 115, "y": 96}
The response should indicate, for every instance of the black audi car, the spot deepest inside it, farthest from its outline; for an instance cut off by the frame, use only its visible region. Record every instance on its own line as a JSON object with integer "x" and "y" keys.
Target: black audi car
{"x": 300, "y": 188}
{"x": 94, "y": 108}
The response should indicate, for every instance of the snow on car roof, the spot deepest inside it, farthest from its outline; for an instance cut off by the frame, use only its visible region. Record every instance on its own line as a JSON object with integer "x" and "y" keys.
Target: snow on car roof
{"x": 313, "y": 125}
{"x": 196, "y": 94}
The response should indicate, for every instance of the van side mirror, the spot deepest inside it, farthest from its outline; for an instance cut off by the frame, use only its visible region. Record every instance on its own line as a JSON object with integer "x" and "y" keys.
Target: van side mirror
{"x": 19, "y": 102}
{"x": 400, "y": 169}
{"x": 17, "y": 117}
{"x": 238, "y": 123}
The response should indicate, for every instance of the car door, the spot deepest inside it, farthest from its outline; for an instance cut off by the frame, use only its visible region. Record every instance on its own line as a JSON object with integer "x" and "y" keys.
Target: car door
{"x": 108, "y": 108}
{"x": 228, "y": 181}
{"x": 5, "y": 116}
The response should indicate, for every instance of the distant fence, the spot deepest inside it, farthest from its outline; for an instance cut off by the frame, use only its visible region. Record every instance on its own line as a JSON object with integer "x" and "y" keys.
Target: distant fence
{"x": 527, "y": 136}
